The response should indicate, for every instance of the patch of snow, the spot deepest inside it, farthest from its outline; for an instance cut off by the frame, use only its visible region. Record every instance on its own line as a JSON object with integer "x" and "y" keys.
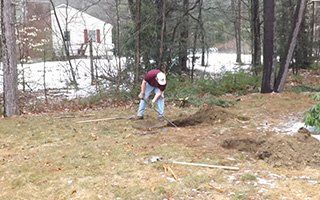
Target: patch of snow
{"x": 308, "y": 179}
{"x": 70, "y": 182}
{"x": 269, "y": 183}
{"x": 221, "y": 62}
{"x": 276, "y": 176}
{"x": 262, "y": 190}
{"x": 58, "y": 76}
{"x": 290, "y": 127}
{"x": 316, "y": 136}
{"x": 171, "y": 180}
{"x": 231, "y": 178}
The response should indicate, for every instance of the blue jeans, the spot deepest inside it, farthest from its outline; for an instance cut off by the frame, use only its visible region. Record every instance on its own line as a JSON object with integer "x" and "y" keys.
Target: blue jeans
{"x": 159, "y": 102}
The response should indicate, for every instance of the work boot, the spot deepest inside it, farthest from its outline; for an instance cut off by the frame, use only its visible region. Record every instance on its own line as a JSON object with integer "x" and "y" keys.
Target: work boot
{"x": 137, "y": 118}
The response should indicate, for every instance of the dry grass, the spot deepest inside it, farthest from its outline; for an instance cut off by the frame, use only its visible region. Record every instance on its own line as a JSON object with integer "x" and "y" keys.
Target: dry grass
{"x": 46, "y": 157}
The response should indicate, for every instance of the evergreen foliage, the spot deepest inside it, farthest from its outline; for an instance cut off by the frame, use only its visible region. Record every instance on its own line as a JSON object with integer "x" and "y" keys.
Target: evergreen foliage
{"x": 312, "y": 117}
{"x": 207, "y": 90}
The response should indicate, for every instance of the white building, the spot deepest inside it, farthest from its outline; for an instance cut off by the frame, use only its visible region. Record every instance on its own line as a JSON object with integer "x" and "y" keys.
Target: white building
{"x": 78, "y": 28}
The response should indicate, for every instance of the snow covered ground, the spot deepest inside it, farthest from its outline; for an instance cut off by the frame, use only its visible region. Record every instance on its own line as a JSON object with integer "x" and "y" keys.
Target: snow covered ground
{"x": 58, "y": 75}
{"x": 289, "y": 126}
{"x": 222, "y": 62}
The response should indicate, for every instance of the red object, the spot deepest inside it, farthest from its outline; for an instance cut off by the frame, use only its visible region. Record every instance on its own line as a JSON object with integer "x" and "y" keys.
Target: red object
{"x": 86, "y": 37}
{"x": 98, "y": 36}
{"x": 150, "y": 77}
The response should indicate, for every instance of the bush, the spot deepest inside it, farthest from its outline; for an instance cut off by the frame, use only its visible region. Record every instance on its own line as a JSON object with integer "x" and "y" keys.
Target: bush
{"x": 240, "y": 83}
{"x": 305, "y": 88}
{"x": 206, "y": 90}
{"x": 316, "y": 96}
{"x": 315, "y": 66}
{"x": 312, "y": 117}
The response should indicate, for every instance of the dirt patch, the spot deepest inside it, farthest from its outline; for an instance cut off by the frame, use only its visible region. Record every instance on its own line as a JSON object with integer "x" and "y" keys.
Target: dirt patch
{"x": 149, "y": 124}
{"x": 298, "y": 150}
{"x": 245, "y": 144}
{"x": 208, "y": 115}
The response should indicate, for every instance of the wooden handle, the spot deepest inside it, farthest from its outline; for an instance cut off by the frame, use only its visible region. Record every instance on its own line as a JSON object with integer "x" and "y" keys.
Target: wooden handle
{"x": 205, "y": 165}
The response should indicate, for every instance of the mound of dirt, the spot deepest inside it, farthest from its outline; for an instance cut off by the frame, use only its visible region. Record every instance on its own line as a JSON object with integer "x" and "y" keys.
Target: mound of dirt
{"x": 294, "y": 151}
{"x": 243, "y": 144}
{"x": 208, "y": 115}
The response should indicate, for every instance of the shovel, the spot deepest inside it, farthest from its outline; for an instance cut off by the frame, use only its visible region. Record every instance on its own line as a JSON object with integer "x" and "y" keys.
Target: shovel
{"x": 164, "y": 117}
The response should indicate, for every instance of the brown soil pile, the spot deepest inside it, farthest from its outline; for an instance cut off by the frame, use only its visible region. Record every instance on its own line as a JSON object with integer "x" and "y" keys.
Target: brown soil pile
{"x": 207, "y": 115}
{"x": 298, "y": 150}
{"x": 243, "y": 144}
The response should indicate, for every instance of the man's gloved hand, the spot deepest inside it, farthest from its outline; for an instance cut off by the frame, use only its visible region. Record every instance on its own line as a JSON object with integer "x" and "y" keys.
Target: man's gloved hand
{"x": 141, "y": 95}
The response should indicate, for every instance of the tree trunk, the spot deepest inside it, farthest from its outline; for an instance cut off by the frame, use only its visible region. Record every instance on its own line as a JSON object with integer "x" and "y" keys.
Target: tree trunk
{"x": 203, "y": 49}
{"x": 138, "y": 43}
{"x": 163, "y": 25}
{"x": 119, "y": 53}
{"x": 44, "y": 76}
{"x": 202, "y": 34}
{"x": 284, "y": 66}
{"x": 312, "y": 29}
{"x": 195, "y": 38}
{"x": 10, "y": 73}
{"x": 194, "y": 49}
{"x": 184, "y": 34}
{"x": 236, "y": 7}
{"x": 91, "y": 63}
{"x": 312, "y": 26}
{"x": 255, "y": 27}
{"x": 267, "y": 84}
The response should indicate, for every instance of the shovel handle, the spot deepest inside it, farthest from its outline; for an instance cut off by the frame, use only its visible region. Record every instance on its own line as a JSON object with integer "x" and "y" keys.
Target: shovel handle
{"x": 170, "y": 122}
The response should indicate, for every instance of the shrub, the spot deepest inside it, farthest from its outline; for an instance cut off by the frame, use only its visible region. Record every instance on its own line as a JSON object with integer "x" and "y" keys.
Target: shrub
{"x": 316, "y": 96}
{"x": 209, "y": 86}
{"x": 312, "y": 117}
{"x": 240, "y": 83}
{"x": 305, "y": 88}
{"x": 206, "y": 90}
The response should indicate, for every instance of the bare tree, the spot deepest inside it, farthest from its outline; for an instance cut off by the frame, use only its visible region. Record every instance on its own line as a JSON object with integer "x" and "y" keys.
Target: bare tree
{"x": 138, "y": 38}
{"x": 162, "y": 32}
{"x": 202, "y": 38}
{"x": 45, "y": 89}
{"x": 92, "y": 74}
{"x": 195, "y": 37}
{"x": 10, "y": 73}
{"x": 236, "y": 7}
{"x": 184, "y": 34}
{"x": 255, "y": 29}
{"x": 118, "y": 43}
{"x": 284, "y": 65}
{"x": 63, "y": 36}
